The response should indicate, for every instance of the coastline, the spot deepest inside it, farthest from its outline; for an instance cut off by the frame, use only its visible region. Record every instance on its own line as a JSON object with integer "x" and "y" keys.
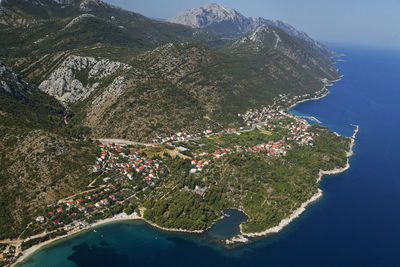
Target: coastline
{"x": 30, "y": 251}
{"x": 117, "y": 218}
{"x": 242, "y": 237}
{"x": 310, "y": 99}
{"x": 317, "y": 97}
{"x": 286, "y": 221}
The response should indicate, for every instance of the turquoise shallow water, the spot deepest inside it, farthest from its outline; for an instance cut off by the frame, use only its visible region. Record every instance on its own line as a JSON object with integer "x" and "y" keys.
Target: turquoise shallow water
{"x": 355, "y": 223}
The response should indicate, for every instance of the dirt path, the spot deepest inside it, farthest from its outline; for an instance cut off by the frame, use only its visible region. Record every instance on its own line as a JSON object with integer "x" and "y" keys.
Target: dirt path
{"x": 121, "y": 142}
{"x": 84, "y": 192}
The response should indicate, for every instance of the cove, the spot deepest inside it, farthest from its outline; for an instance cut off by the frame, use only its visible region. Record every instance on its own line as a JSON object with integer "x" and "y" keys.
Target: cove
{"x": 355, "y": 222}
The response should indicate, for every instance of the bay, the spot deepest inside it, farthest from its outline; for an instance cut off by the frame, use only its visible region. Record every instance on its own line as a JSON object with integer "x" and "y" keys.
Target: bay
{"x": 355, "y": 223}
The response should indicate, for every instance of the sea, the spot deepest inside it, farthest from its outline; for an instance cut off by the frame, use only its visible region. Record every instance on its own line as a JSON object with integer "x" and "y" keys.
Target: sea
{"x": 355, "y": 223}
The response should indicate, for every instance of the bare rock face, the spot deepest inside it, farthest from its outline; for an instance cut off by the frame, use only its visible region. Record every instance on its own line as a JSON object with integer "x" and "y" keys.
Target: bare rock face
{"x": 213, "y": 14}
{"x": 78, "y": 77}
{"x": 87, "y": 5}
{"x": 78, "y": 19}
{"x": 11, "y": 83}
{"x": 228, "y": 22}
{"x": 209, "y": 14}
{"x": 115, "y": 90}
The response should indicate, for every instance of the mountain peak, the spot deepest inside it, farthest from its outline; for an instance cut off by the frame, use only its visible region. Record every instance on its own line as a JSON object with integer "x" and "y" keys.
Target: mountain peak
{"x": 207, "y": 15}
{"x": 210, "y": 6}
{"x": 229, "y": 22}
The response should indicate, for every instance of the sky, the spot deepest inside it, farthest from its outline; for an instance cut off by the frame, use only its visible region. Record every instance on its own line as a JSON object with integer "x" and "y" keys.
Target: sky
{"x": 366, "y": 22}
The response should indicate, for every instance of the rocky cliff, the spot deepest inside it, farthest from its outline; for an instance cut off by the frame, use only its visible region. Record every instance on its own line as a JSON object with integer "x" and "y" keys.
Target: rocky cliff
{"x": 78, "y": 77}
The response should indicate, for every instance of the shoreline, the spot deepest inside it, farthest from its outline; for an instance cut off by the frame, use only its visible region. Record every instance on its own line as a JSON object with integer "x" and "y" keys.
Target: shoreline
{"x": 30, "y": 251}
{"x": 317, "y": 97}
{"x": 117, "y": 218}
{"x": 286, "y": 221}
{"x": 241, "y": 238}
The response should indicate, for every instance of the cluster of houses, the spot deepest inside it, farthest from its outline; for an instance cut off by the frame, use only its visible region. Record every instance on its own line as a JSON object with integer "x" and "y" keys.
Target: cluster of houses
{"x": 299, "y": 134}
{"x": 84, "y": 204}
{"x": 272, "y": 148}
{"x": 199, "y": 162}
{"x": 128, "y": 164}
{"x": 263, "y": 115}
{"x": 267, "y": 115}
{"x": 7, "y": 252}
{"x": 181, "y": 137}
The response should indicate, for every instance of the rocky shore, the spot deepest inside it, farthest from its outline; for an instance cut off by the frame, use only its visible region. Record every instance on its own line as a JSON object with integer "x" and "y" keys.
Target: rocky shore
{"x": 303, "y": 206}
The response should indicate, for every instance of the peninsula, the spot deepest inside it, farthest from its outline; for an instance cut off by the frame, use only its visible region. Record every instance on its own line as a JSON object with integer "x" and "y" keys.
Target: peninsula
{"x": 107, "y": 115}
{"x": 180, "y": 183}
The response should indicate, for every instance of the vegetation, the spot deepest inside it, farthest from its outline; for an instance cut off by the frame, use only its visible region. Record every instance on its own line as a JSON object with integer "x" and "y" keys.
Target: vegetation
{"x": 267, "y": 189}
{"x": 179, "y": 80}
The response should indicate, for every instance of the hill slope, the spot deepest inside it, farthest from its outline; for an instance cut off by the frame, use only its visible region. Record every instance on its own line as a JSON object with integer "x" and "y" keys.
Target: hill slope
{"x": 39, "y": 162}
{"x": 230, "y": 23}
{"x": 83, "y": 68}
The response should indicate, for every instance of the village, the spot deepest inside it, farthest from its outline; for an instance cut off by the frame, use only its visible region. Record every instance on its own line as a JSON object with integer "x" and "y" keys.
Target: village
{"x": 134, "y": 166}
{"x": 137, "y": 165}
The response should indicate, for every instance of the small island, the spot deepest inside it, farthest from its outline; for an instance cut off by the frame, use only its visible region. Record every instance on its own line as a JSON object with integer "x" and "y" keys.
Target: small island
{"x": 269, "y": 168}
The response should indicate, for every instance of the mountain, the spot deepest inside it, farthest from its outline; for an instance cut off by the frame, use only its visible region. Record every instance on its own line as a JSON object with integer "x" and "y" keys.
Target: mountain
{"x": 230, "y": 23}
{"x": 267, "y": 37}
{"x": 47, "y": 26}
{"x": 73, "y": 71}
{"x": 99, "y": 60}
{"x": 39, "y": 160}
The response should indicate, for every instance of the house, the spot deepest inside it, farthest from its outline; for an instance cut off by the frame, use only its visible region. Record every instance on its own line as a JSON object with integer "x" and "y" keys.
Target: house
{"x": 70, "y": 204}
{"x": 98, "y": 204}
{"x": 51, "y": 214}
{"x": 59, "y": 210}
{"x": 193, "y": 170}
{"x": 130, "y": 176}
{"x": 112, "y": 197}
{"x": 96, "y": 168}
{"x": 81, "y": 208}
{"x": 104, "y": 201}
{"x": 40, "y": 219}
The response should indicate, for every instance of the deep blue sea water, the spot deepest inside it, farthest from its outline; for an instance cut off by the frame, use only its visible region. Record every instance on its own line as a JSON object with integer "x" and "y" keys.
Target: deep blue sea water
{"x": 356, "y": 223}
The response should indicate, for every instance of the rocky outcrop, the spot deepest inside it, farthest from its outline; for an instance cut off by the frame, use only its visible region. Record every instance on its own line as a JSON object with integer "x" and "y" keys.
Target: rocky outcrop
{"x": 78, "y": 19}
{"x": 268, "y": 37}
{"x": 12, "y": 84}
{"x": 230, "y": 23}
{"x": 78, "y": 77}
{"x": 209, "y": 14}
{"x": 115, "y": 90}
{"x": 88, "y": 5}
{"x": 214, "y": 16}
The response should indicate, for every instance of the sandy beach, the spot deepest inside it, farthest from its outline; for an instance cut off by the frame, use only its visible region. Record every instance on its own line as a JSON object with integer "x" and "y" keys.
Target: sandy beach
{"x": 120, "y": 217}
{"x": 242, "y": 238}
{"x": 117, "y": 218}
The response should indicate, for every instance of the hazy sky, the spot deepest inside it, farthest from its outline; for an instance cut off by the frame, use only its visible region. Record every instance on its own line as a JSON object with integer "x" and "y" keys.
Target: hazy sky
{"x": 369, "y": 22}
